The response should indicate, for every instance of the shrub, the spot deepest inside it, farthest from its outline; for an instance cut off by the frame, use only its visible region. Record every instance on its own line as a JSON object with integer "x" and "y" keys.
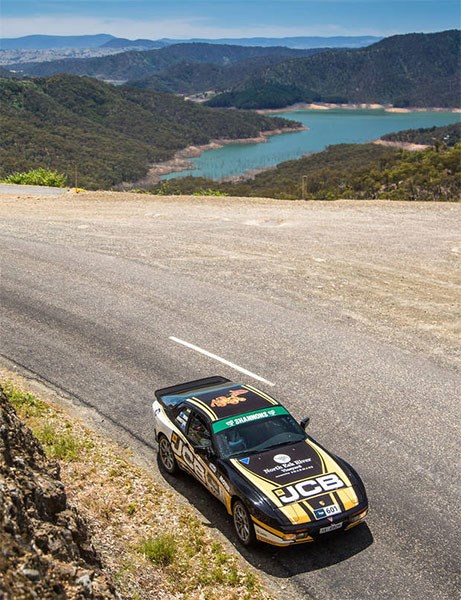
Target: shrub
{"x": 160, "y": 549}
{"x": 38, "y": 177}
{"x": 25, "y": 403}
{"x": 62, "y": 446}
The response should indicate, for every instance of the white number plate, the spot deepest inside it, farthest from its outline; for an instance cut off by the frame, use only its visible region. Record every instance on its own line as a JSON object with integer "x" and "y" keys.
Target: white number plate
{"x": 327, "y": 511}
{"x": 330, "y": 527}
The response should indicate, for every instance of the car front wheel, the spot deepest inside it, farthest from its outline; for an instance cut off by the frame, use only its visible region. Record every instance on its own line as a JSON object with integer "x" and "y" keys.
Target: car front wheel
{"x": 166, "y": 456}
{"x": 243, "y": 524}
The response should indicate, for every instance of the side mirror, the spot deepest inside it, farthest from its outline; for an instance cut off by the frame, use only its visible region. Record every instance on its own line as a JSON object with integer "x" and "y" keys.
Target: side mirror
{"x": 305, "y": 422}
{"x": 204, "y": 451}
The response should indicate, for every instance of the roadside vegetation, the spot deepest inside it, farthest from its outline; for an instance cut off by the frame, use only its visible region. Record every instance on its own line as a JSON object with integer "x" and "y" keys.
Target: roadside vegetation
{"x": 152, "y": 544}
{"x": 39, "y": 176}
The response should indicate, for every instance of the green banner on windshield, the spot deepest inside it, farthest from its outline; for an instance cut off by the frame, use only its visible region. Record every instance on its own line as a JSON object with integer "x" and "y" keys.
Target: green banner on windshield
{"x": 255, "y": 415}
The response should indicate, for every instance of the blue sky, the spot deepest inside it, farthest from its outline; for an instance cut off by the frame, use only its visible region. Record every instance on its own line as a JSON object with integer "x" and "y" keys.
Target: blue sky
{"x": 155, "y": 19}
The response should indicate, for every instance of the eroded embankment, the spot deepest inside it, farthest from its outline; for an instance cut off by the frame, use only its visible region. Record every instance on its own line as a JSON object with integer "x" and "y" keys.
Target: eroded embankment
{"x": 45, "y": 547}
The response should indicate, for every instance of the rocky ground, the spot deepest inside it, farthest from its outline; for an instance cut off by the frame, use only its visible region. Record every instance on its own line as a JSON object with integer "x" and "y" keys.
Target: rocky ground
{"x": 45, "y": 551}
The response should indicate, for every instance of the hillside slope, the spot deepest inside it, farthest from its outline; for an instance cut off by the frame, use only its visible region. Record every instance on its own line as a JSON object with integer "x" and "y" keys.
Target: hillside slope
{"x": 187, "y": 77}
{"x": 109, "y": 134}
{"x": 404, "y": 70}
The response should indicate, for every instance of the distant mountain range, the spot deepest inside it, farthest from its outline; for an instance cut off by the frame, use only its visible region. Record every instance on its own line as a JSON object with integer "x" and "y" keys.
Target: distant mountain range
{"x": 421, "y": 70}
{"x": 303, "y": 42}
{"x": 47, "y": 42}
{"x": 44, "y": 42}
{"x": 138, "y": 64}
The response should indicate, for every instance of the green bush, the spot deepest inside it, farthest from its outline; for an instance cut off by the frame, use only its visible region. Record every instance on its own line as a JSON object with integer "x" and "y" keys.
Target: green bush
{"x": 62, "y": 446}
{"x": 160, "y": 549}
{"x": 38, "y": 177}
{"x": 25, "y": 403}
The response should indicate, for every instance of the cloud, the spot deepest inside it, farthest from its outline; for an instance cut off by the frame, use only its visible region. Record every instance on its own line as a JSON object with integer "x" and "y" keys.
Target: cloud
{"x": 154, "y": 29}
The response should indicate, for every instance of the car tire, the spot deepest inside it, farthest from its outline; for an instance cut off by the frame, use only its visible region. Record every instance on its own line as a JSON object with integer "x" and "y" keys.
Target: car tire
{"x": 243, "y": 524}
{"x": 166, "y": 456}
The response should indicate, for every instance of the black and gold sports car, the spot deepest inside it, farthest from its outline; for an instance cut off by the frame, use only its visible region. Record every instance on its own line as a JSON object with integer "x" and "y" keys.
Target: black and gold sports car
{"x": 279, "y": 485}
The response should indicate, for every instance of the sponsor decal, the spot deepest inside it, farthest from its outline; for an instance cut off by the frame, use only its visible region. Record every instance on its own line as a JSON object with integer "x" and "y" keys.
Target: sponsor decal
{"x": 196, "y": 466}
{"x": 309, "y": 487}
{"x": 245, "y": 461}
{"x": 224, "y": 483}
{"x": 327, "y": 511}
{"x": 181, "y": 419}
{"x": 232, "y": 398}
{"x": 186, "y": 454}
{"x": 282, "y": 459}
{"x": 248, "y": 418}
{"x": 330, "y": 528}
{"x": 290, "y": 468}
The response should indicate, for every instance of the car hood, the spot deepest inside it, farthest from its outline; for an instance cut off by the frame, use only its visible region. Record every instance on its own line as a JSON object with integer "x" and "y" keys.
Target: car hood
{"x": 302, "y": 480}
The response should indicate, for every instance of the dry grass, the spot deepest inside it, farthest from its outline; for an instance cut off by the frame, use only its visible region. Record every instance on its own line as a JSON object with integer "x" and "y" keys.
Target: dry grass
{"x": 151, "y": 545}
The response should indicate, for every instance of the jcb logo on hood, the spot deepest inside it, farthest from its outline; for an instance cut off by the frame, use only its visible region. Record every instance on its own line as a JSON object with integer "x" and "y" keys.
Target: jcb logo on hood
{"x": 309, "y": 487}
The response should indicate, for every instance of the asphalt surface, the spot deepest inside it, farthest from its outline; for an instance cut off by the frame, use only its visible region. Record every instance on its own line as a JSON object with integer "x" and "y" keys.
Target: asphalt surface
{"x": 94, "y": 320}
{"x": 31, "y": 190}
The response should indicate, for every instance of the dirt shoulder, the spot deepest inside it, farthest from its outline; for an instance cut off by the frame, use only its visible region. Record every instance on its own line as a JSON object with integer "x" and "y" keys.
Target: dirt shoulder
{"x": 391, "y": 269}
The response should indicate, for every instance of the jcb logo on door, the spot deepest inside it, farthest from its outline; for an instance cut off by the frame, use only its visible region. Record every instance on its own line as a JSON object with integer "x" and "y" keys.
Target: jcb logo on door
{"x": 309, "y": 487}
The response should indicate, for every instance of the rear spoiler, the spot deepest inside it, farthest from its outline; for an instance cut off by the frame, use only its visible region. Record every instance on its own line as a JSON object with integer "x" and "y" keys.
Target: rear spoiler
{"x": 182, "y": 388}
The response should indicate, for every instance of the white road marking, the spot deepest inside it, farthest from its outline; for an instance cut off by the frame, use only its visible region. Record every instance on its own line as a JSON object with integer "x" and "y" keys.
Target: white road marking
{"x": 222, "y": 360}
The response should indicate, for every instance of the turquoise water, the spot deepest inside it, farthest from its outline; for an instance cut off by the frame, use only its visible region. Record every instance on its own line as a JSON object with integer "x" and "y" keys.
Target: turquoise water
{"x": 325, "y": 128}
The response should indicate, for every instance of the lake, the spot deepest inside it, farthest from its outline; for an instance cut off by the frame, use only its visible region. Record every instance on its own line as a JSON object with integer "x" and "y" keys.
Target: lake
{"x": 326, "y": 127}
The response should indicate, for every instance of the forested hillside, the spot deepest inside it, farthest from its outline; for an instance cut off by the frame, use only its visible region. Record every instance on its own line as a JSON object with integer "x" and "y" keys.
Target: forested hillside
{"x": 109, "y": 134}
{"x": 405, "y": 70}
{"x": 6, "y": 73}
{"x": 135, "y": 65}
{"x": 449, "y": 135}
{"x": 191, "y": 77}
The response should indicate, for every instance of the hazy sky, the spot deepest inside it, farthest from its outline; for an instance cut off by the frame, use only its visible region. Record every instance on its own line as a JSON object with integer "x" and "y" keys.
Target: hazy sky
{"x": 155, "y": 19}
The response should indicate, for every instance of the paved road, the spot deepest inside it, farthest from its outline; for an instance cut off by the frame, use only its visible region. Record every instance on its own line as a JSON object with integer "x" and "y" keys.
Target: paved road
{"x": 95, "y": 319}
{"x": 30, "y": 190}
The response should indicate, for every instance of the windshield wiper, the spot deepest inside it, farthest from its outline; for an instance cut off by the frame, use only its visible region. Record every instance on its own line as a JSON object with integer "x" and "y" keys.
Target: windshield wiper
{"x": 280, "y": 444}
{"x": 244, "y": 453}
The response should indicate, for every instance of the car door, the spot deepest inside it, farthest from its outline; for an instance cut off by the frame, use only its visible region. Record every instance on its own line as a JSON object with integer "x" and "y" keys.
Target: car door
{"x": 198, "y": 433}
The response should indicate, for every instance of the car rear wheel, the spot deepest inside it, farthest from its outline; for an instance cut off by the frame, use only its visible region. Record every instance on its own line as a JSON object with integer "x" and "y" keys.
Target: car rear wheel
{"x": 243, "y": 524}
{"x": 166, "y": 455}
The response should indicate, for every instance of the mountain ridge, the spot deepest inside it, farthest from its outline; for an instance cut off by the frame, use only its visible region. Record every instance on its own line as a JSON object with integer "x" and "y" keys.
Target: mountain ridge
{"x": 420, "y": 70}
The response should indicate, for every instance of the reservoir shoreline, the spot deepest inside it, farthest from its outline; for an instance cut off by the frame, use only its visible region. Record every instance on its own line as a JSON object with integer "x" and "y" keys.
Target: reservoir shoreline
{"x": 180, "y": 161}
{"x": 226, "y": 159}
{"x": 368, "y": 106}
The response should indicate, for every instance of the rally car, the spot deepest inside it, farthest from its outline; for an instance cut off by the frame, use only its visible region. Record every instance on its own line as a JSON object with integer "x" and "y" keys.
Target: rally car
{"x": 278, "y": 484}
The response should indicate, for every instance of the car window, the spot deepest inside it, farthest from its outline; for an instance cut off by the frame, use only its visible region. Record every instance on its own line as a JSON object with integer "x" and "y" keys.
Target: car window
{"x": 198, "y": 431}
{"x": 182, "y": 417}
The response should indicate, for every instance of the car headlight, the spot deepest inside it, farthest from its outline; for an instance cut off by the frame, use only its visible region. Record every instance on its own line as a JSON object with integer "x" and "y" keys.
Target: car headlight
{"x": 359, "y": 517}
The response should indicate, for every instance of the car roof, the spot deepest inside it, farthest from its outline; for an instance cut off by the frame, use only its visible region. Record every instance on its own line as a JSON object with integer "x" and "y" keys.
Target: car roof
{"x": 223, "y": 400}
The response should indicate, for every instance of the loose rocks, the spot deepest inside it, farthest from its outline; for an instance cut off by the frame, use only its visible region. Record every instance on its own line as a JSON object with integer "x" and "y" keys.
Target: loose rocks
{"x": 45, "y": 550}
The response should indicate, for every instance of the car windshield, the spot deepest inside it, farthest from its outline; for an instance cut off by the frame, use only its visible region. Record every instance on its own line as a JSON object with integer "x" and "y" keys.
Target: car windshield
{"x": 258, "y": 436}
